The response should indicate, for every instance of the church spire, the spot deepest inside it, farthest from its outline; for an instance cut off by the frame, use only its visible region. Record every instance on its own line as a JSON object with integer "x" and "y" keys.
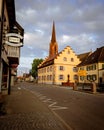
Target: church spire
{"x": 53, "y": 50}
{"x": 53, "y": 38}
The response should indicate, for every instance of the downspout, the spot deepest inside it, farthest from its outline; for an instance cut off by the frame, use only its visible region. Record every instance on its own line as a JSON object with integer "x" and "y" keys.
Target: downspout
{"x": 9, "y": 84}
{"x": 98, "y": 72}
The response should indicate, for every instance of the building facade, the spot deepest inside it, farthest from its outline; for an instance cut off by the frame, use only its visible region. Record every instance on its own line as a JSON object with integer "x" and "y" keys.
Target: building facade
{"x": 58, "y": 66}
{"x": 92, "y": 67}
{"x": 11, "y": 40}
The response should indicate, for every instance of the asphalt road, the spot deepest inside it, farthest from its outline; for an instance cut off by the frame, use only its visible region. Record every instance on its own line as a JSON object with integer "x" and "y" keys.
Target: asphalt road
{"x": 77, "y": 110}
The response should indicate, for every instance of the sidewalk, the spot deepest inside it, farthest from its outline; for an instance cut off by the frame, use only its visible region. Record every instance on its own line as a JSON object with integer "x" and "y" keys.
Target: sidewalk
{"x": 26, "y": 112}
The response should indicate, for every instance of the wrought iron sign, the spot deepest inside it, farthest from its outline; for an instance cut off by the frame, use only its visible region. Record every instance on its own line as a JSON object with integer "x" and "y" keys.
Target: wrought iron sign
{"x": 14, "y": 39}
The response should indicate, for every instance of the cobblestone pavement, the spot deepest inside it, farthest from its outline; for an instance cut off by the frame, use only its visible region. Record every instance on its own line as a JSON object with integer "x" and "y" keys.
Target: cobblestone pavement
{"x": 26, "y": 112}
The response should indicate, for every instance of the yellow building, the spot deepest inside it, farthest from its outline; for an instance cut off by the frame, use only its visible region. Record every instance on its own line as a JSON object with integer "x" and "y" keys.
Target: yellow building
{"x": 57, "y": 67}
{"x": 92, "y": 67}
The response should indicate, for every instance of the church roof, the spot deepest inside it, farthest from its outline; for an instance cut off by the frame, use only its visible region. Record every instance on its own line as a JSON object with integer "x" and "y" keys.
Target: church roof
{"x": 48, "y": 61}
{"x": 53, "y": 38}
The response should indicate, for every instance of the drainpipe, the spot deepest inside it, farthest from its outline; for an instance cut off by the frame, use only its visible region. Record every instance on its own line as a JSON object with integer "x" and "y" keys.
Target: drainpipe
{"x": 1, "y": 33}
{"x": 98, "y": 72}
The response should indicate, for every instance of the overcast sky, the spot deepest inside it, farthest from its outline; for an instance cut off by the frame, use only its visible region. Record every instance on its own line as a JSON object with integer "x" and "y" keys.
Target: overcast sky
{"x": 79, "y": 24}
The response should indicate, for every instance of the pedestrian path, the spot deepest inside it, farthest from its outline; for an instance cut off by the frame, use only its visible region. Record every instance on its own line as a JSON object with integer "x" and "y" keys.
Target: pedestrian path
{"x": 26, "y": 112}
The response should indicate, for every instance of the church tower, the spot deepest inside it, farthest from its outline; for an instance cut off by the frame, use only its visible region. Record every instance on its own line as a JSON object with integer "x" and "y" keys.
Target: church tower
{"x": 53, "y": 50}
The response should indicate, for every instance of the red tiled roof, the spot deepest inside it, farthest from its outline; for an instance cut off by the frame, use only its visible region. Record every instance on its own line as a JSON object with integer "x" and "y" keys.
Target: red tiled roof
{"x": 95, "y": 57}
{"x": 47, "y": 61}
{"x": 83, "y": 56}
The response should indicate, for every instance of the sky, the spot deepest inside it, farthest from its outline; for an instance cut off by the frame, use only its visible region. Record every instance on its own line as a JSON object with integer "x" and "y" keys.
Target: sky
{"x": 79, "y": 24}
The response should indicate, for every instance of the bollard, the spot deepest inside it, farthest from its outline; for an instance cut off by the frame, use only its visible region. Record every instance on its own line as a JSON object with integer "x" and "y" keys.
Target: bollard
{"x": 75, "y": 86}
{"x": 94, "y": 87}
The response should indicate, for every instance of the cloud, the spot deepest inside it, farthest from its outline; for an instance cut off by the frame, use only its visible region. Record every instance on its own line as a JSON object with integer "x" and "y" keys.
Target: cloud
{"x": 79, "y": 24}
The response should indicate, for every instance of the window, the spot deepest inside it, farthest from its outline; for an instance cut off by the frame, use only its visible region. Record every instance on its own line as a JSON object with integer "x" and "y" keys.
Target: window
{"x": 91, "y": 77}
{"x": 39, "y": 78}
{"x": 45, "y": 70}
{"x": 50, "y": 77}
{"x": 47, "y": 77}
{"x": 48, "y": 69}
{"x": 82, "y": 78}
{"x": 81, "y": 68}
{"x": 94, "y": 67}
{"x": 44, "y": 77}
{"x": 75, "y": 77}
{"x": 91, "y": 67}
{"x": 75, "y": 69}
{"x": 72, "y": 59}
{"x": 61, "y": 77}
{"x": 61, "y": 68}
{"x": 102, "y": 66}
{"x": 94, "y": 77}
{"x": 65, "y": 59}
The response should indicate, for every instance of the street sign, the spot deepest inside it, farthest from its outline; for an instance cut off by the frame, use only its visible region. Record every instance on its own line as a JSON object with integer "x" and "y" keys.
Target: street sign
{"x": 14, "y": 39}
{"x": 82, "y": 73}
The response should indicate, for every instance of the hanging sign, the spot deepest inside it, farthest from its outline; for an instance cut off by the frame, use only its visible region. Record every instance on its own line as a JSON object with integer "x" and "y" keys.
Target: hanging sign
{"x": 82, "y": 73}
{"x": 13, "y": 39}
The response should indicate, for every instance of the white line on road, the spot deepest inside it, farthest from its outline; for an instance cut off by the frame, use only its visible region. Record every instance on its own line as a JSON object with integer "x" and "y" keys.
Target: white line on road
{"x": 52, "y": 105}
{"x": 47, "y": 100}
{"x": 59, "y": 108}
{"x": 43, "y": 97}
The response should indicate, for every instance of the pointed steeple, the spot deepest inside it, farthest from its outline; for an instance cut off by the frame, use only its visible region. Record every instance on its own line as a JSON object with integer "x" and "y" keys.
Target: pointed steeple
{"x": 53, "y": 50}
{"x": 53, "y": 38}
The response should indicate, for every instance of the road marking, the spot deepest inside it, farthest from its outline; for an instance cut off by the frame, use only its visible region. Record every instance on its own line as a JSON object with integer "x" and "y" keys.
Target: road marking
{"x": 43, "y": 97}
{"x": 52, "y": 104}
{"x": 59, "y": 108}
{"x": 47, "y": 100}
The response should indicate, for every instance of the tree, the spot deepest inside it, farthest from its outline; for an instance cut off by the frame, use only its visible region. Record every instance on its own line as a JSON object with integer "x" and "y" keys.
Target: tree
{"x": 34, "y": 70}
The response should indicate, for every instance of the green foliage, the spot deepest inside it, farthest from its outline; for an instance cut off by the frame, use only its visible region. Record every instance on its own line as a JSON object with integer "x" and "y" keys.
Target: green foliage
{"x": 34, "y": 70}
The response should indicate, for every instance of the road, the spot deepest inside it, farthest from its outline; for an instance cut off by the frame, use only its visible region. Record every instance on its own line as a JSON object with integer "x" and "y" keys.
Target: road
{"x": 77, "y": 110}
